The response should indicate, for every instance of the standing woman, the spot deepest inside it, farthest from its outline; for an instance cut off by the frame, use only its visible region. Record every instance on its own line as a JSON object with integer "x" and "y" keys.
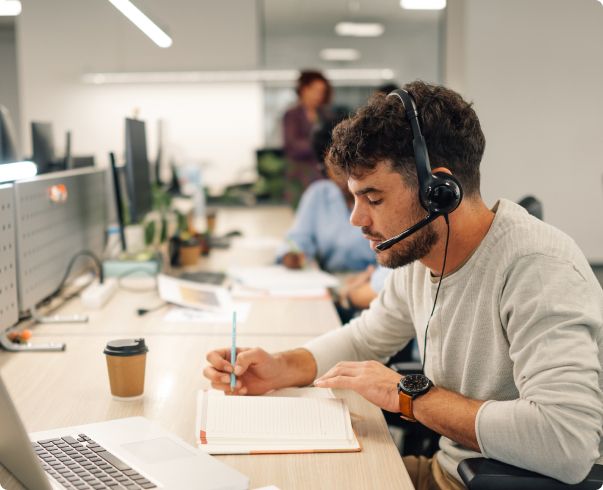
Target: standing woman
{"x": 314, "y": 94}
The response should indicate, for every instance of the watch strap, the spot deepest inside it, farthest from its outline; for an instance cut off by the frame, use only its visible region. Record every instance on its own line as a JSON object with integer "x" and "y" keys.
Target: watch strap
{"x": 406, "y": 407}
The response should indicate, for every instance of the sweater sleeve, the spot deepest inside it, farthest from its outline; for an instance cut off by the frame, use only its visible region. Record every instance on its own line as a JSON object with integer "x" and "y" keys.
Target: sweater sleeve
{"x": 555, "y": 426}
{"x": 381, "y": 331}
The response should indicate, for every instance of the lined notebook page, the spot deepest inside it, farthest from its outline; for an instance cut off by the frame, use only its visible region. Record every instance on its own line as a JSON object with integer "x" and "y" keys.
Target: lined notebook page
{"x": 277, "y": 418}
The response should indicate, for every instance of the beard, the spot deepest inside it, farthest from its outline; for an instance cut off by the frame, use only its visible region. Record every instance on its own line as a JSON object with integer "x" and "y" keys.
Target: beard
{"x": 409, "y": 250}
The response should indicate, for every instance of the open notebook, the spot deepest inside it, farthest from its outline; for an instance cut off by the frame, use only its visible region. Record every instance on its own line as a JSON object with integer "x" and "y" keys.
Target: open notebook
{"x": 292, "y": 421}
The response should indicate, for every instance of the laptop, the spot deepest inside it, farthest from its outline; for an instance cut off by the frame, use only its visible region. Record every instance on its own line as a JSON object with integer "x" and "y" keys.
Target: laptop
{"x": 130, "y": 453}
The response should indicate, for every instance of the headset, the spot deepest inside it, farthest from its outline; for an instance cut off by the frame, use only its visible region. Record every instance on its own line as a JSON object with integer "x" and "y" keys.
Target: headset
{"x": 439, "y": 193}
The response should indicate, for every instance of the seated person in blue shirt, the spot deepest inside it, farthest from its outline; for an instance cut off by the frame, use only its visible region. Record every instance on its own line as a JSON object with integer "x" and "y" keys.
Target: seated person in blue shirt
{"x": 360, "y": 289}
{"x": 322, "y": 230}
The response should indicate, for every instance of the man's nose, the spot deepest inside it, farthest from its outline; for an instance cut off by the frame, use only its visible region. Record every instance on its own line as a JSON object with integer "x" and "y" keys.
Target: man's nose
{"x": 359, "y": 217}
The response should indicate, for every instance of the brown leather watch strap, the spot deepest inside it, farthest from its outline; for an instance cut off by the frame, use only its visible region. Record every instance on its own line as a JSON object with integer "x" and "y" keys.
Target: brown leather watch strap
{"x": 406, "y": 407}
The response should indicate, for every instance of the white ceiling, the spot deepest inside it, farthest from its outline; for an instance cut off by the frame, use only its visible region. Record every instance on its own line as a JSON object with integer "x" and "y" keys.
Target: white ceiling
{"x": 320, "y": 16}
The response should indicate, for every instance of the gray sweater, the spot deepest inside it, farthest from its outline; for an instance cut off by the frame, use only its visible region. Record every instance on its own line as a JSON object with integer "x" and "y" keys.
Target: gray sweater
{"x": 520, "y": 324}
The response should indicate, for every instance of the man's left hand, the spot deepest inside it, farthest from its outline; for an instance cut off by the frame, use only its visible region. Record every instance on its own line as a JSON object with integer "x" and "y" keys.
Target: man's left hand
{"x": 371, "y": 379}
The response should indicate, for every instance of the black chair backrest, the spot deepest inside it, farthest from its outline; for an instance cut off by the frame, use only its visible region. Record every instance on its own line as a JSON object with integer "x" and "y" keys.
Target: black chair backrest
{"x": 489, "y": 474}
{"x": 532, "y": 206}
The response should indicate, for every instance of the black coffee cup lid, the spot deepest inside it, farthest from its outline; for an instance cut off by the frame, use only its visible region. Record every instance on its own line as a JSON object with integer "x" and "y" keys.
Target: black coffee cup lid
{"x": 125, "y": 347}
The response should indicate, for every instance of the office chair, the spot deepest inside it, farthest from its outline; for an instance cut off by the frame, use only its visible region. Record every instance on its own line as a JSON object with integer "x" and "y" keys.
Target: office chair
{"x": 489, "y": 474}
{"x": 532, "y": 205}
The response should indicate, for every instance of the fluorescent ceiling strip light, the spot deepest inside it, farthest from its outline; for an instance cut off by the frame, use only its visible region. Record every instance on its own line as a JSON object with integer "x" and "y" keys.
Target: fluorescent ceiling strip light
{"x": 10, "y": 8}
{"x": 339, "y": 54}
{"x": 10, "y": 172}
{"x": 140, "y": 20}
{"x": 423, "y": 4}
{"x": 359, "y": 29}
{"x": 357, "y": 74}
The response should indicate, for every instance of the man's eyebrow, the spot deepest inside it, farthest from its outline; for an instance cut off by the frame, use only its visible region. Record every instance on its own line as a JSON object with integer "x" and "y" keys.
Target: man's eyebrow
{"x": 367, "y": 190}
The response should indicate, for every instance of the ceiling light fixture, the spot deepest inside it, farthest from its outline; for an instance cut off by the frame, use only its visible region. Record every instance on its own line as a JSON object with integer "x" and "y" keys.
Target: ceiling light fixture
{"x": 339, "y": 54}
{"x": 359, "y": 29}
{"x": 368, "y": 75}
{"x": 10, "y": 8}
{"x": 140, "y": 20}
{"x": 423, "y": 4}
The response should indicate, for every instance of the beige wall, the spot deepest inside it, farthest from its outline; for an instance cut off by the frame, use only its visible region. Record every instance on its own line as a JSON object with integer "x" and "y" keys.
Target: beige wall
{"x": 534, "y": 71}
{"x": 9, "y": 91}
{"x": 59, "y": 41}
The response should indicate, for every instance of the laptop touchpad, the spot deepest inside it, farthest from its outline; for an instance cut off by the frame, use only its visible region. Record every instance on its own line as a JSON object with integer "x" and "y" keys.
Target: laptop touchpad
{"x": 158, "y": 450}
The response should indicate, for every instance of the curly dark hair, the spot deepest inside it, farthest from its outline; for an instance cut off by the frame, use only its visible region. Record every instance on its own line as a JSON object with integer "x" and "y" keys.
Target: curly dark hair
{"x": 380, "y": 132}
{"x": 307, "y": 77}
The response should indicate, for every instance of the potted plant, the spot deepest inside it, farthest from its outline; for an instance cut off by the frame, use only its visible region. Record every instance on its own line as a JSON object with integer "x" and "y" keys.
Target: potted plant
{"x": 185, "y": 246}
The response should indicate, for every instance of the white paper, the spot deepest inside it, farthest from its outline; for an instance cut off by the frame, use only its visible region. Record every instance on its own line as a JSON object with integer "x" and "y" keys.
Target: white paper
{"x": 306, "y": 392}
{"x": 257, "y": 243}
{"x": 242, "y": 292}
{"x": 189, "y": 315}
{"x": 278, "y": 277}
{"x": 194, "y": 295}
{"x": 272, "y": 419}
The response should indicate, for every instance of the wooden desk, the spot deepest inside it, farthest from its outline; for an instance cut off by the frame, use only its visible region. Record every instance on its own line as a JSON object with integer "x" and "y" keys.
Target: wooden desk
{"x": 69, "y": 388}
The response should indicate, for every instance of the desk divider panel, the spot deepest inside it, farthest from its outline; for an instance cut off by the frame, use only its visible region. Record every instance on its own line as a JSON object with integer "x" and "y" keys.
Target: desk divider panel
{"x": 57, "y": 216}
{"x": 9, "y": 313}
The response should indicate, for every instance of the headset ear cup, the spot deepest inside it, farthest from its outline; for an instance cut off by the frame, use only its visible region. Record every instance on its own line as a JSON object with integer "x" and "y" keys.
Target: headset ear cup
{"x": 446, "y": 194}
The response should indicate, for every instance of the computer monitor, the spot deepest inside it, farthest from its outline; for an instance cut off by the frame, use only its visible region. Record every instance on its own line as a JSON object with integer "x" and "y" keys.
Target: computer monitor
{"x": 68, "y": 160}
{"x": 43, "y": 146}
{"x": 82, "y": 161}
{"x": 8, "y": 139}
{"x": 138, "y": 176}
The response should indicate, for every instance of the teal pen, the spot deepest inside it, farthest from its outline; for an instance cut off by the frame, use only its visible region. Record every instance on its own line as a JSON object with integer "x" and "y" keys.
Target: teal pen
{"x": 233, "y": 350}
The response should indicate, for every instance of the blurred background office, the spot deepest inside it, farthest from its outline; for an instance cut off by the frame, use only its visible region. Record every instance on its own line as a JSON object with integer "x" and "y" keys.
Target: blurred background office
{"x": 222, "y": 86}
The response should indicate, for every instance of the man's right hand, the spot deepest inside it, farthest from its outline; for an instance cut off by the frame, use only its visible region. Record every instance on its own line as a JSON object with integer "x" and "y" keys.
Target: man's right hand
{"x": 256, "y": 370}
{"x": 294, "y": 260}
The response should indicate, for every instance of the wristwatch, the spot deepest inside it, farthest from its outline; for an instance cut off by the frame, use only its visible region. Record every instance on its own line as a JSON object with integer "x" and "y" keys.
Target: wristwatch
{"x": 410, "y": 387}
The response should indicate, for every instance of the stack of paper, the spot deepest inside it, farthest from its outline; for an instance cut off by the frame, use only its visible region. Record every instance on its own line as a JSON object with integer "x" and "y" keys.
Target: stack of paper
{"x": 278, "y": 281}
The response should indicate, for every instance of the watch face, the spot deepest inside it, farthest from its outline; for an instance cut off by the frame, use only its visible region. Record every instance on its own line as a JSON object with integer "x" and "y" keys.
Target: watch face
{"x": 415, "y": 384}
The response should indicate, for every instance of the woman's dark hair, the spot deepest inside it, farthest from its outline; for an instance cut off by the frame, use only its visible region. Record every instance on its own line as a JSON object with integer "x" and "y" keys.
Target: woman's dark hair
{"x": 380, "y": 132}
{"x": 307, "y": 77}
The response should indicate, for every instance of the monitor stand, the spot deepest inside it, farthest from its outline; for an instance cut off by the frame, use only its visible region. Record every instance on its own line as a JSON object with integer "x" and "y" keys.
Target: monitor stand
{"x": 35, "y": 314}
{"x": 6, "y": 344}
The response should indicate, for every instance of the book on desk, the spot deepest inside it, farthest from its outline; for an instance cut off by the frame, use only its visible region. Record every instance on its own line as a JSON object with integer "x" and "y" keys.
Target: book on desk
{"x": 297, "y": 420}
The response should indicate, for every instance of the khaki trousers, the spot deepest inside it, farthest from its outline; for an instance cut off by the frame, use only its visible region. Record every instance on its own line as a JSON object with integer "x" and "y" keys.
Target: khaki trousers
{"x": 427, "y": 474}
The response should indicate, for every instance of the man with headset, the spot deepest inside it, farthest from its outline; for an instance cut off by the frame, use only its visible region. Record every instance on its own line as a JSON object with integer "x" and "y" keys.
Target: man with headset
{"x": 506, "y": 309}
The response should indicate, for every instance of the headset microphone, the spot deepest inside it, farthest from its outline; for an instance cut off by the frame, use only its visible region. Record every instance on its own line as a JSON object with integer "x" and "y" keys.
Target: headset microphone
{"x": 439, "y": 193}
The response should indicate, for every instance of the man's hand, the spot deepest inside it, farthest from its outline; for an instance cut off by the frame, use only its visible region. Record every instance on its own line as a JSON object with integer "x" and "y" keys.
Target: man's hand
{"x": 257, "y": 371}
{"x": 294, "y": 260}
{"x": 371, "y": 379}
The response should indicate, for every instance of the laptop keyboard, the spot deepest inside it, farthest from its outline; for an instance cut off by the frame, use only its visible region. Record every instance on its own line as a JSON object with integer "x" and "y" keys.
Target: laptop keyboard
{"x": 80, "y": 463}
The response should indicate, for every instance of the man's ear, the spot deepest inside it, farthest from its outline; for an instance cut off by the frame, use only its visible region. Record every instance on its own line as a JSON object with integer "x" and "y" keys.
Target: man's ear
{"x": 441, "y": 169}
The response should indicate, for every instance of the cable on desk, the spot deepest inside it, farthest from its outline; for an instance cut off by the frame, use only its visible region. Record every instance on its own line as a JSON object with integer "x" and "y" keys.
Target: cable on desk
{"x": 87, "y": 253}
{"x": 144, "y": 311}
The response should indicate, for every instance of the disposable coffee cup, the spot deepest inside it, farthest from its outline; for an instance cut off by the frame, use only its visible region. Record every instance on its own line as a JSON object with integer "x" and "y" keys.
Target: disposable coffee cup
{"x": 126, "y": 359}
